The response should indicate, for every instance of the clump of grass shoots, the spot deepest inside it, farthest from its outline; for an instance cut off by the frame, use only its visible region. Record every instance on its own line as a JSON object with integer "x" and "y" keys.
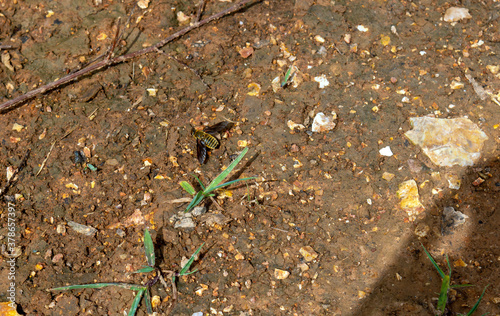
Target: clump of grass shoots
{"x": 446, "y": 286}
{"x": 214, "y": 185}
{"x": 143, "y": 290}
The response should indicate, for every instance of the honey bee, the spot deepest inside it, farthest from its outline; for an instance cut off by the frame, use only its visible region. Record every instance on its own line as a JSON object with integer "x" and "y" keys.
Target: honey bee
{"x": 206, "y": 139}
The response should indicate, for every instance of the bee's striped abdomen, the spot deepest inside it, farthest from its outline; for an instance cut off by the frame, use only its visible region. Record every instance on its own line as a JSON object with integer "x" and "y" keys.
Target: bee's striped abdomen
{"x": 208, "y": 140}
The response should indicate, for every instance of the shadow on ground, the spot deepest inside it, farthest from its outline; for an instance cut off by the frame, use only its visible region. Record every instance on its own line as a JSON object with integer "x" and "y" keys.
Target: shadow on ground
{"x": 470, "y": 243}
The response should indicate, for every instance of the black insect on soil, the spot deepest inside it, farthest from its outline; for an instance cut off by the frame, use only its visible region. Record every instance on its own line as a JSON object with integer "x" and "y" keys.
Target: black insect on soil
{"x": 206, "y": 139}
{"x": 79, "y": 158}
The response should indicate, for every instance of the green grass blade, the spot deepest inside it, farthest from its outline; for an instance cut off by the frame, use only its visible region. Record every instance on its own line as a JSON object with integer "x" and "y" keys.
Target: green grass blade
{"x": 449, "y": 266}
{"x": 97, "y": 286}
{"x": 224, "y": 173}
{"x": 199, "y": 181}
{"x": 135, "y": 303}
{"x": 147, "y": 298}
{"x": 82, "y": 286}
{"x": 477, "y": 303}
{"x": 287, "y": 76}
{"x": 188, "y": 264}
{"x": 196, "y": 200}
{"x": 443, "y": 294}
{"x": 188, "y": 273}
{"x": 149, "y": 248}
{"x": 231, "y": 182}
{"x": 441, "y": 273}
{"x": 144, "y": 270}
{"x": 460, "y": 285}
{"x": 187, "y": 187}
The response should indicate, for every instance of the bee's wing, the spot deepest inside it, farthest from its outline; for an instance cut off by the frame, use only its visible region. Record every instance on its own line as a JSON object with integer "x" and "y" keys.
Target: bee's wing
{"x": 218, "y": 128}
{"x": 201, "y": 151}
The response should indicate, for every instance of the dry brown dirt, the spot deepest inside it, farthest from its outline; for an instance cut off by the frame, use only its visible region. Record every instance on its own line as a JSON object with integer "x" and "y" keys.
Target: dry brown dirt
{"x": 385, "y": 61}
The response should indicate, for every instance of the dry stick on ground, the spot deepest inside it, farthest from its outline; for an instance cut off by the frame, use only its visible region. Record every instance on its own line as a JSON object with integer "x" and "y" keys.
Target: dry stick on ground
{"x": 113, "y": 61}
{"x": 201, "y": 7}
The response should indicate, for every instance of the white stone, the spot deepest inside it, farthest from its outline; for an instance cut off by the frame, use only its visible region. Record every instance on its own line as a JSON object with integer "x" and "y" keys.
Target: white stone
{"x": 386, "y": 151}
{"x": 455, "y": 14}
{"x": 362, "y": 28}
{"x": 323, "y": 123}
{"x": 323, "y": 82}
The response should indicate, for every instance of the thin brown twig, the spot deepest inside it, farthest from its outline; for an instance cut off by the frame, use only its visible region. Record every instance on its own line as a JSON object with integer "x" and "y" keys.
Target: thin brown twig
{"x": 115, "y": 39}
{"x": 52, "y": 147}
{"x": 201, "y": 7}
{"x": 7, "y": 47}
{"x": 113, "y": 61}
{"x": 170, "y": 275}
{"x": 217, "y": 204}
{"x": 46, "y": 158}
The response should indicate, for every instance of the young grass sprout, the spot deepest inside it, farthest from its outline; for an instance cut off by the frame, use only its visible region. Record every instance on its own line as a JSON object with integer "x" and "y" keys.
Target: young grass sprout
{"x": 445, "y": 287}
{"x": 288, "y": 76}
{"x": 214, "y": 185}
{"x": 143, "y": 290}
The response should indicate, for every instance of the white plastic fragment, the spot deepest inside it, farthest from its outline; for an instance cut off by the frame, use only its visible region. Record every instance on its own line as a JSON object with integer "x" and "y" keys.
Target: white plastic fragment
{"x": 455, "y": 14}
{"x": 448, "y": 142}
{"x": 323, "y": 123}
{"x": 323, "y": 82}
{"x": 386, "y": 151}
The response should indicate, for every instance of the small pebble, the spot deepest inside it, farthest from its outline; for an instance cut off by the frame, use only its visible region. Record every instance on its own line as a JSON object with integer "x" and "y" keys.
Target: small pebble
{"x": 186, "y": 222}
{"x": 386, "y": 151}
{"x": 57, "y": 258}
{"x": 112, "y": 162}
{"x": 319, "y": 39}
{"x": 82, "y": 229}
{"x": 455, "y": 14}
{"x": 387, "y": 176}
{"x": 322, "y": 80}
{"x": 323, "y": 123}
{"x": 281, "y": 274}
{"x": 198, "y": 210}
{"x": 246, "y": 52}
{"x": 61, "y": 229}
{"x": 308, "y": 253}
{"x": 120, "y": 232}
